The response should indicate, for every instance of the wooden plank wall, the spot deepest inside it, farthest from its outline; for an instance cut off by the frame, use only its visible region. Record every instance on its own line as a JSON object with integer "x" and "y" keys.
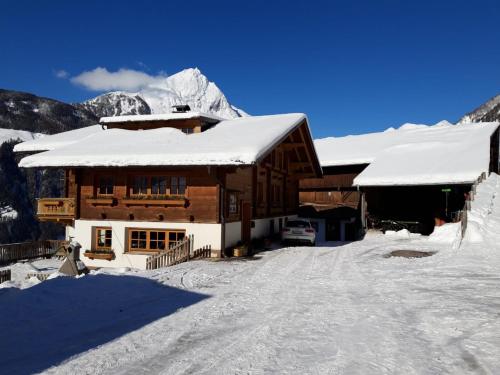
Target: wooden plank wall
{"x": 202, "y": 195}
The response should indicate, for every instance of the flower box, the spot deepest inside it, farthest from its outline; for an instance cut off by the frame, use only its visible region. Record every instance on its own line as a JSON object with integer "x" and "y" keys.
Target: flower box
{"x": 106, "y": 255}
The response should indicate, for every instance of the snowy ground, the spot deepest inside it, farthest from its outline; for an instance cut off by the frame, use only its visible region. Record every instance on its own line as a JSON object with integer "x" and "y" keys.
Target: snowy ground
{"x": 333, "y": 309}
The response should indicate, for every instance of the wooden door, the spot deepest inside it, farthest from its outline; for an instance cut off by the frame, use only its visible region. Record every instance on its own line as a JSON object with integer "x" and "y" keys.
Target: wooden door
{"x": 246, "y": 221}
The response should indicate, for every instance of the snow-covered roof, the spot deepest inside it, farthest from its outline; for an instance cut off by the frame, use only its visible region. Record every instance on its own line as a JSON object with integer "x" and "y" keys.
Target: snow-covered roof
{"x": 160, "y": 117}
{"x": 11, "y": 134}
{"x": 240, "y": 141}
{"x": 413, "y": 154}
{"x": 51, "y": 142}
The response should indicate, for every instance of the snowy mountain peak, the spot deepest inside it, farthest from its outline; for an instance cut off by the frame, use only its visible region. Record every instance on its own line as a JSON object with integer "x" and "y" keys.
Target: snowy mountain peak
{"x": 189, "y": 86}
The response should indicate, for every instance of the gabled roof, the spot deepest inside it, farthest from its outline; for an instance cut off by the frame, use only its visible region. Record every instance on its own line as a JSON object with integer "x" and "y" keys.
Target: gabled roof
{"x": 241, "y": 141}
{"x": 413, "y": 154}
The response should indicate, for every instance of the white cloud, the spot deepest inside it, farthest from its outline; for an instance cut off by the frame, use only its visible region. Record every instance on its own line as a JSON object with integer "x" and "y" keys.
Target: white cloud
{"x": 61, "y": 73}
{"x": 101, "y": 79}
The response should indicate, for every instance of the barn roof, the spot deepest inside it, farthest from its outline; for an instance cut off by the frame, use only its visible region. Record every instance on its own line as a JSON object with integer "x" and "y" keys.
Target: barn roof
{"x": 413, "y": 154}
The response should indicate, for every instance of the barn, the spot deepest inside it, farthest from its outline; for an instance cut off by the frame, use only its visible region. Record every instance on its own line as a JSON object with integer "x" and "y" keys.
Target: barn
{"x": 413, "y": 177}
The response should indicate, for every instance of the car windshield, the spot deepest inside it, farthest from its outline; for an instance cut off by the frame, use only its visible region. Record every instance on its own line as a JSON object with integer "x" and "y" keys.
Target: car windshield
{"x": 297, "y": 224}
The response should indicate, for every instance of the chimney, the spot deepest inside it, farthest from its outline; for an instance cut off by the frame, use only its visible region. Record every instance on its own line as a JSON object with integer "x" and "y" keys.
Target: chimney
{"x": 181, "y": 108}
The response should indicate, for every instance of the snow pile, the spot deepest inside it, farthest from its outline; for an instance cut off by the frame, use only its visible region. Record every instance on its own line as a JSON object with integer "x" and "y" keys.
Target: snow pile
{"x": 239, "y": 141}
{"x": 51, "y": 142}
{"x": 22, "y": 135}
{"x": 7, "y": 213}
{"x": 413, "y": 154}
{"x": 483, "y": 220}
{"x": 19, "y": 272}
{"x": 403, "y": 234}
{"x": 448, "y": 233}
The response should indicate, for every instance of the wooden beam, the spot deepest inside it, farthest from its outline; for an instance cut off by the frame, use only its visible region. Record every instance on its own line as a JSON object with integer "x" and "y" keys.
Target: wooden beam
{"x": 299, "y": 164}
{"x": 289, "y": 146}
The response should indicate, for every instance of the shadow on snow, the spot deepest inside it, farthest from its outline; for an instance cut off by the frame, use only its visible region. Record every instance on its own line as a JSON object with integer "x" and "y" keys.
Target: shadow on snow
{"x": 48, "y": 323}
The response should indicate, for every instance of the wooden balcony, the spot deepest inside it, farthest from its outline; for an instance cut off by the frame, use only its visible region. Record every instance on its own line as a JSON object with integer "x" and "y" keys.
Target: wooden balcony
{"x": 56, "y": 209}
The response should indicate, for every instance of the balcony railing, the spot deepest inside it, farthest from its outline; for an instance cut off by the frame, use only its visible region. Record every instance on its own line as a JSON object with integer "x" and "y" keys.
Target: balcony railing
{"x": 56, "y": 209}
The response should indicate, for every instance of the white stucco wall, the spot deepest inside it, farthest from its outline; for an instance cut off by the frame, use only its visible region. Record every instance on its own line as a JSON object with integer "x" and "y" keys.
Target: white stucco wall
{"x": 262, "y": 226}
{"x": 233, "y": 233}
{"x": 204, "y": 234}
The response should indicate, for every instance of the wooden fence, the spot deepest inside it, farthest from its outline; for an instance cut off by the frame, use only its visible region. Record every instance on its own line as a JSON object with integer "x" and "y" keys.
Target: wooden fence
{"x": 4, "y": 276}
{"x": 28, "y": 250}
{"x": 181, "y": 252}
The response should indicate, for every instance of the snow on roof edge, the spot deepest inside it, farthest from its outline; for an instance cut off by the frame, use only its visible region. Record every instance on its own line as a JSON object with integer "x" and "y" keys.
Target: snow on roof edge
{"x": 159, "y": 117}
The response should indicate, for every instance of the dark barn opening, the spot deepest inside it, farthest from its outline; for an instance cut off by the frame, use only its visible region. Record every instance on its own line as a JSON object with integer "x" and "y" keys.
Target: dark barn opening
{"x": 419, "y": 208}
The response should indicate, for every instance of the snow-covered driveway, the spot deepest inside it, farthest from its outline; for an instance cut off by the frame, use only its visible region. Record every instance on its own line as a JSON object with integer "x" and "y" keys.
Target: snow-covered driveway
{"x": 344, "y": 309}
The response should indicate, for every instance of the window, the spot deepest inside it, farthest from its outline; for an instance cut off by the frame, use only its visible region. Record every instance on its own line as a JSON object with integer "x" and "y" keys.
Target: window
{"x": 105, "y": 185}
{"x": 177, "y": 185}
{"x": 260, "y": 193}
{"x": 158, "y": 185}
{"x": 187, "y": 130}
{"x": 233, "y": 203}
{"x": 153, "y": 239}
{"x": 103, "y": 238}
{"x": 174, "y": 237}
{"x": 140, "y": 185}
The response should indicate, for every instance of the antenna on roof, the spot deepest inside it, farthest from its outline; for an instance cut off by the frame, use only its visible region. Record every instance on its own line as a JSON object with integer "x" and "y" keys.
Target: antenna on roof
{"x": 181, "y": 108}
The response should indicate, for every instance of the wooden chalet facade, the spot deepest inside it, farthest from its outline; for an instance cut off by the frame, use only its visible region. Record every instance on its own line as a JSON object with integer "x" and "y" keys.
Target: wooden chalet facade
{"x": 122, "y": 214}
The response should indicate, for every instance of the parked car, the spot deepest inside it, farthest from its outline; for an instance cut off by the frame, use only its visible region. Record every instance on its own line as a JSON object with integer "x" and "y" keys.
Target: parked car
{"x": 300, "y": 231}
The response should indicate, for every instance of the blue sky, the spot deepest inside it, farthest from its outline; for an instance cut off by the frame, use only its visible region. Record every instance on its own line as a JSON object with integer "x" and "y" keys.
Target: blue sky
{"x": 352, "y": 66}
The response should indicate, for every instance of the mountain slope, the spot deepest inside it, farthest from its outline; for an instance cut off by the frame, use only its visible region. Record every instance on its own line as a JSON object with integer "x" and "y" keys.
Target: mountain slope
{"x": 116, "y": 104}
{"x": 24, "y": 111}
{"x": 489, "y": 111}
{"x": 189, "y": 86}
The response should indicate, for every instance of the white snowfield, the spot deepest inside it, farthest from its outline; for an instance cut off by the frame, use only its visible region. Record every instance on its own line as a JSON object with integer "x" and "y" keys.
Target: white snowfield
{"x": 413, "y": 154}
{"x": 326, "y": 310}
{"x": 51, "y": 142}
{"x": 160, "y": 117}
{"x": 240, "y": 141}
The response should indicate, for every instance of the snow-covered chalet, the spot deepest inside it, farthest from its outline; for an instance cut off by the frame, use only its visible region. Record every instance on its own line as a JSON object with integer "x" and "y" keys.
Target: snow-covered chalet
{"x": 137, "y": 184}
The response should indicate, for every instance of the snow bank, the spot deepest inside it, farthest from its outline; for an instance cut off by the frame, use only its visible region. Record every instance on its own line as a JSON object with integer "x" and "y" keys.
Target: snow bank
{"x": 483, "y": 219}
{"x": 51, "y": 142}
{"x": 239, "y": 141}
{"x": 413, "y": 154}
{"x": 403, "y": 234}
{"x": 448, "y": 233}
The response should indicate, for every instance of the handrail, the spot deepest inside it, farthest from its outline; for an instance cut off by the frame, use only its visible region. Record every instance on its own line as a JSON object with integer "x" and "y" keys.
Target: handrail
{"x": 180, "y": 252}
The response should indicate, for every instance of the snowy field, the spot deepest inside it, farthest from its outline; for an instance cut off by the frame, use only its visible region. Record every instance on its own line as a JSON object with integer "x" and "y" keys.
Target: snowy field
{"x": 345, "y": 309}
